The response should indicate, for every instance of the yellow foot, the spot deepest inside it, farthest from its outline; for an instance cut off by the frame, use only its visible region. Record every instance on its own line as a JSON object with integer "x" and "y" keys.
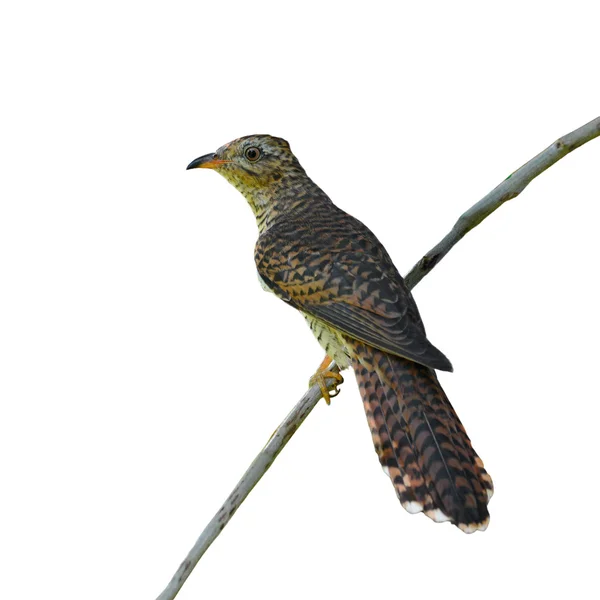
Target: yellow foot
{"x": 320, "y": 378}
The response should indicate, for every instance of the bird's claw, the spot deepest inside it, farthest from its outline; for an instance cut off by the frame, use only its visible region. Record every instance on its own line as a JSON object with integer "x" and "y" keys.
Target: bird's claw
{"x": 328, "y": 391}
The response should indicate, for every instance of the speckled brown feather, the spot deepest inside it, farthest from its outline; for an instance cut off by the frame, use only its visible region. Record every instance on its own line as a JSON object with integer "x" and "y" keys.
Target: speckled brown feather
{"x": 333, "y": 269}
{"x": 328, "y": 264}
{"x": 420, "y": 440}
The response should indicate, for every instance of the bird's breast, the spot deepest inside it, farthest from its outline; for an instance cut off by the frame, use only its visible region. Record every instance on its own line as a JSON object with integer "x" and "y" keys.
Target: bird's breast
{"x": 331, "y": 340}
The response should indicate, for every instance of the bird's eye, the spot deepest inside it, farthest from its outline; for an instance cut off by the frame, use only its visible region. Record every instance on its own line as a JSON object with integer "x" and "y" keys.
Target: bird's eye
{"x": 252, "y": 154}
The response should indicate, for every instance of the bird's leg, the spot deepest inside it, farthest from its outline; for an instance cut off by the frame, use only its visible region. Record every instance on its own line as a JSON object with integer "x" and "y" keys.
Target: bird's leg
{"x": 320, "y": 377}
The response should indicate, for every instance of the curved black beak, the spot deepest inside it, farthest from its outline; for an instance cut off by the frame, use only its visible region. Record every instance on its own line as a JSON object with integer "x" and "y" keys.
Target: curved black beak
{"x": 208, "y": 161}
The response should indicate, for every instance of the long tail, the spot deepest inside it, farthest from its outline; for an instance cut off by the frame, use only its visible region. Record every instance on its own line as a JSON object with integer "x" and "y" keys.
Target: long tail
{"x": 420, "y": 441}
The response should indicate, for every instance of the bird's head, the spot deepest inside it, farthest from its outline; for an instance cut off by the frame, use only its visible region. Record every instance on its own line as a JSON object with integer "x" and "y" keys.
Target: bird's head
{"x": 251, "y": 163}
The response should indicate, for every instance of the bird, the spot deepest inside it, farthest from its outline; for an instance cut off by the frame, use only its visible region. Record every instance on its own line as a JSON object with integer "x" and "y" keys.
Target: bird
{"x": 329, "y": 266}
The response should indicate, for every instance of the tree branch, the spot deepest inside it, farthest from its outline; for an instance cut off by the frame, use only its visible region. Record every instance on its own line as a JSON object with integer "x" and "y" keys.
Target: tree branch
{"x": 251, "y": 477}
{"x": 511, "y": 187}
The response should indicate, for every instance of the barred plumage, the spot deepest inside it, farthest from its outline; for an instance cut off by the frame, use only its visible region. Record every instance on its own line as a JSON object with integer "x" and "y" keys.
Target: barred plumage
{"x": 333, "y": 269}
{"x": 420, "y": 441}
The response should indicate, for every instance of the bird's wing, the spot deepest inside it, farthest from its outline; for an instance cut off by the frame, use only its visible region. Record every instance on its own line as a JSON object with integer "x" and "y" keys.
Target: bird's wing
{"x": 353, "y": 287}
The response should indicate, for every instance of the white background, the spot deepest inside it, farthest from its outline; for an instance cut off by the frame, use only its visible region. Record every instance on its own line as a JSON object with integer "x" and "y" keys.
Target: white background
{"x": 142, "y": 367}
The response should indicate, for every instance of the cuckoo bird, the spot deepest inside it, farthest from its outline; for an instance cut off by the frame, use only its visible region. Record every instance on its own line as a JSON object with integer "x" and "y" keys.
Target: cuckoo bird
{"x": 332, "y": 268}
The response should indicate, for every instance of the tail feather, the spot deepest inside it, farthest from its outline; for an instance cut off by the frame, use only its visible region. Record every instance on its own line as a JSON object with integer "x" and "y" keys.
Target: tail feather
{"x": 420, "y": 441}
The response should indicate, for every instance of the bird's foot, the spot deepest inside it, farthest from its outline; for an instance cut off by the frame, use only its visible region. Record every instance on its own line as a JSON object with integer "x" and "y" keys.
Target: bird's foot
{"x": 320, "y": 378}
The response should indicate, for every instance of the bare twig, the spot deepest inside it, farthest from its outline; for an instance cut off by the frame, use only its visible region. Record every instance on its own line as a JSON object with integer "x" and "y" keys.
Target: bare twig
{"x": 251, "y": 477}
{"x": 511, "y": 187}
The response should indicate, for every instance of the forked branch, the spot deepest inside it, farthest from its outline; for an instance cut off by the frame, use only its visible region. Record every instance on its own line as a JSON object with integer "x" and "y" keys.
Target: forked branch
{"x": 511, "y": 187}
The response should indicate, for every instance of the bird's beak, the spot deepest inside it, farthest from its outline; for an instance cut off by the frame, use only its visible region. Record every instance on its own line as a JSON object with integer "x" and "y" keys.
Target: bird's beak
{"x": 208, "y": 161}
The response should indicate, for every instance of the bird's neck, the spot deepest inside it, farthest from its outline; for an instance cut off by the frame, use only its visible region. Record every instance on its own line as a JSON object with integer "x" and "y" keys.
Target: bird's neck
{"x": 280, "y": 199}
